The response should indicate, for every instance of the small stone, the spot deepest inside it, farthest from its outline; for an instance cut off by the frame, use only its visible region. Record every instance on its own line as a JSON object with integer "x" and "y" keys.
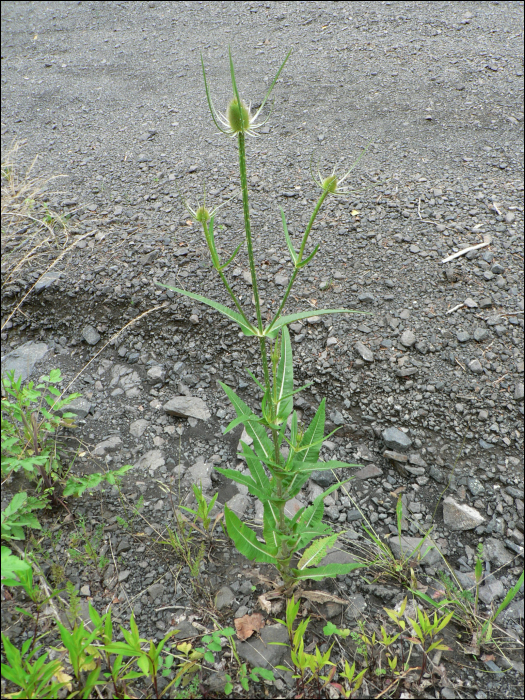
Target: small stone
{"x": 263, "y": 652}
{"x": 107, "y": 446}
{"x": 395, "y": 439}
{"x": 151, "y": 460}
{"x": 470, "y": 303}
{"x": 480, "y": 334}
{"x": 509, "y": 217}
{"x": 366, "y": 354}
{"x": 483, "y": 415}
{"x": 156, "y": 591}
{"x": 22, "y": 360}
{"x": 408, "y": 545}
{"x": 186, "y": 630}
{"x": 475, "y": 366}
{"x": 138, "y": 427}
{"x": 313, "y": 320}
{"x": 518, "y": 391}
{"x": 324, "y": 478}
{"x": 194, "y": 319}
{"x": 90, "y": 335}
{"x": 85, "y": 591}
{"x": 356, "y": 607}
{"x": 366, "y": 298}
{"x": 186, "y": 407}
{"x": 247, "y": 277}
{"x": 494, "y": 551}
{"x": 417, "y": 460}
{"x": 395, "y": 456}
{"x": 47, "y": 280}
{"x": 491, "y": 590}
{"x": 81, "y": 407}
{"x": 475, "y": 486}
{"x": 368, "y": 472}
{"x": 280, "y": 280}
{"x": 459, "y": 516}
{"x": 408, "y": 339}
{"x": 485, "y": 303}
{"x": 497, "y": 269}
{"x": 238, "y": 504}
{"x": 463, "y": 336}
{"x": 157, "y": 373}
{"x": 224, "y": 598}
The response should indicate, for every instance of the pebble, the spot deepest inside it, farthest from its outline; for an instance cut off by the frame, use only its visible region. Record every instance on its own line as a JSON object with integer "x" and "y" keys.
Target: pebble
{"x": 459, "y": 516}
{"x": 408, "y": 339}
{"x": 365, "y": 353}
{"x": 90, "y": 335}
{"x": 396, "y": 440}
{"x": 186, "y": 407}
{"x": 475, "y": 366}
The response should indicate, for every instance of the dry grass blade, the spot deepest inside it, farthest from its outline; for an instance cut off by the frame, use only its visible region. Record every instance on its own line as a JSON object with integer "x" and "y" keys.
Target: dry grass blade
{"x": 31, "y": 229}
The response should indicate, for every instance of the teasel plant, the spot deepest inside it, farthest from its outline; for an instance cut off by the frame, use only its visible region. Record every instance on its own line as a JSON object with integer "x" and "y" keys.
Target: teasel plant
{"x": 295, "y": 545}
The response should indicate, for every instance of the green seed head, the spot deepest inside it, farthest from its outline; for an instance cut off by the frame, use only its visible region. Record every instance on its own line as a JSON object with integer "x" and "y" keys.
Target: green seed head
{"x": 203, "y": 215}
{"x": 234, "y": 116}
{"x": 330, "y": 183}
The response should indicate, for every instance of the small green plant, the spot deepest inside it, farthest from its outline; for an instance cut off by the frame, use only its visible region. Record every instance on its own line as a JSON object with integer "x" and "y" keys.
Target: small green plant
{"x": 34, "y": 675}
{"x": 203, "y": 510}
{"x": 135, "y": 508}
{"x": 19, "y": 514}
{"x": 31, "y": 418}
{"x": 90, "y": 543}
{"x": 275, "y": 478}
{"x": 308, "y": 668}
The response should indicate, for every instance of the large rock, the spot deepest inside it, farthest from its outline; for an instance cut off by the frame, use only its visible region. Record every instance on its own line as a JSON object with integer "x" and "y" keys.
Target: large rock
{"x": 187, "y": 407}
{"x": 224, "y": 598}
{"x": 407, "y": 545}
{"x": 23, "y": 359}
{"x": 397, "y": 440}
{"x": 459, "y": 516}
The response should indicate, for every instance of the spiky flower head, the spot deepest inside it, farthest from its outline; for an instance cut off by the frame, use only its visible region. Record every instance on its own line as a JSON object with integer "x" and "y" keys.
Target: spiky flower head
{"x": 238, "y": 118}
{"x": 332, "y": 183}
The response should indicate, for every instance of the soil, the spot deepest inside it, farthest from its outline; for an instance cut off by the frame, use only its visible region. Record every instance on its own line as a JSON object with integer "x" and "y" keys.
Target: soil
{"x": 110, "y": 96}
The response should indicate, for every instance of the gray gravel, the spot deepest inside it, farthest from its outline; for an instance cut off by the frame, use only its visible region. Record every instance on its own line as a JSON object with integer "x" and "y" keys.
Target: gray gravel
{"x": 111, "y": 96}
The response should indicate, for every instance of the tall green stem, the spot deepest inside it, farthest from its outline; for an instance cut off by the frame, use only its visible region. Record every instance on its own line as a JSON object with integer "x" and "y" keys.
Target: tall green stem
{"x": 247, "y": 228}
{"x": 299, "y": 256}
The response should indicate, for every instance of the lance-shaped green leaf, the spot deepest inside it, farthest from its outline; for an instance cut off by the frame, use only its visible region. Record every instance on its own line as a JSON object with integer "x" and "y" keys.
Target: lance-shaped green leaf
{"x": 284, "y": 383}
{"x": 285, "y": 320}
{"x": 307, "y": 536}
{"x": 293, "y": 254}
{"x": 244, "y": 325}
{"x": 311, "y": 516}
{"x": 232, "y": 256}
{"x": 294, "y": 484}
{"x": 242, "y": 419}
{"x": 309, "y": 467}
{"x": 270, "y": 524}
{"x": 305, "y": 262}
{"x": 328, "y": 571}
{"x": 256, "y": 469}
{"x": 246, "y": 541}
{"x": 253, "y": 488}
{"x": 313, "y": 436}
{"x": 261, "y": 442}
{"x": 317, "y": 551}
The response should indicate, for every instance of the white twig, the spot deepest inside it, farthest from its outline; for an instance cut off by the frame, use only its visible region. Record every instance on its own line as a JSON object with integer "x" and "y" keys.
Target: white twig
{"x": 487, "y": 240}
{"x": 455, "y": 308}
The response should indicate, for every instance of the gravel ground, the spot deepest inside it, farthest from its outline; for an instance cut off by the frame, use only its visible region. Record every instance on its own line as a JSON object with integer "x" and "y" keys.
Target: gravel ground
{"x": 428, "y": 390}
